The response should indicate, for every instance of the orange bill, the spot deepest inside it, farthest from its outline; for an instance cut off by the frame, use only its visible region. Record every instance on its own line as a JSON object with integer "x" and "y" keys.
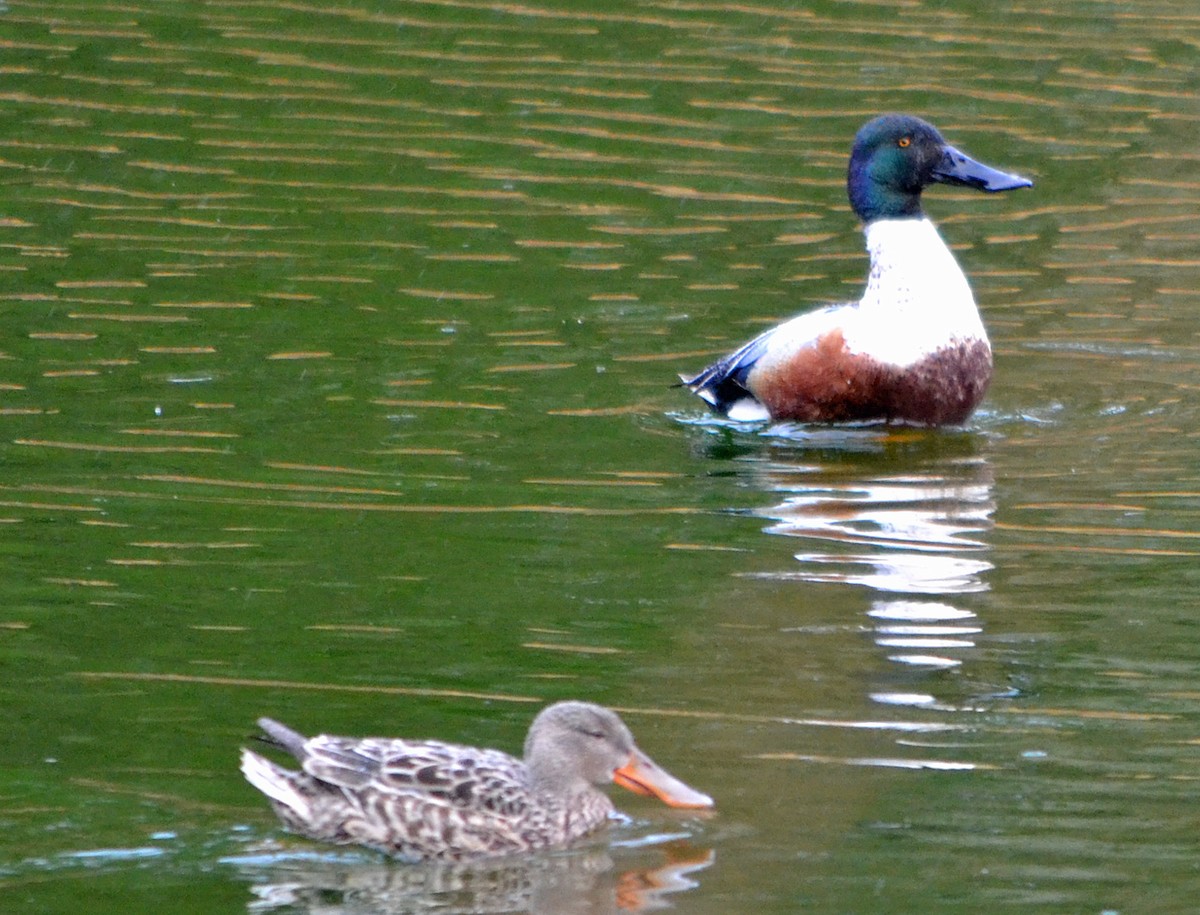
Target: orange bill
{"x": 642, "y": 775}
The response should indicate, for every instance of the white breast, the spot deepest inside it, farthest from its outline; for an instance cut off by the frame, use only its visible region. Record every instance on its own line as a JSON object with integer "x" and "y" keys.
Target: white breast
{"x": 917, "y": 299}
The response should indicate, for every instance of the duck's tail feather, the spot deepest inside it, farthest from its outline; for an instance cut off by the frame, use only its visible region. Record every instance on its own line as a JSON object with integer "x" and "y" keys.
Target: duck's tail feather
{"x": 283, "y": 737}
{"x": 724, "y": 384}
{"x": 719, "y": 391}
{"x": 276, "y": 783}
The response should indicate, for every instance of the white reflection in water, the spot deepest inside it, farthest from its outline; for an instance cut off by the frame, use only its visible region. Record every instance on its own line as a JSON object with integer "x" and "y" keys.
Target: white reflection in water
{"x": 916, "y": 535}
{"x": 916, "y": 699}
{"x": 908, "y": 573}
{"x": 941, "y": 765}
{"x": 923, "y": 629}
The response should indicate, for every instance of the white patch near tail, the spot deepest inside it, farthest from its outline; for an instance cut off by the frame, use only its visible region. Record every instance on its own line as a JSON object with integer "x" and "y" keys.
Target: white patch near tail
{"x": 274, "y": 783}
{"x": 747, "y": 410}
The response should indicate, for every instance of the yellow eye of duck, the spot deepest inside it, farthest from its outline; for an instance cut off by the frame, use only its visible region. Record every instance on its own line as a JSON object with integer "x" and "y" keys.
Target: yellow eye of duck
{"x": 904, "y": 142}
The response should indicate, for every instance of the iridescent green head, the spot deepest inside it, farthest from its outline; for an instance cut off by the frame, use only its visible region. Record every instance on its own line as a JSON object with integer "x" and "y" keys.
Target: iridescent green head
{"x": 896, "y": 156}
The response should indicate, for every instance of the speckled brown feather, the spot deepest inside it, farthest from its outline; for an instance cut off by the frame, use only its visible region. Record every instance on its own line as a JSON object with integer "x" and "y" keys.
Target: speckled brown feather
{"x": 427, "y": 800}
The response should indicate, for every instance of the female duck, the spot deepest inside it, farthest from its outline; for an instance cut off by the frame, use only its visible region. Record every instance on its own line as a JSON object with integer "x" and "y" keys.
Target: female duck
{"x": 424, "y": 800}
{"x": 913, "y": 349}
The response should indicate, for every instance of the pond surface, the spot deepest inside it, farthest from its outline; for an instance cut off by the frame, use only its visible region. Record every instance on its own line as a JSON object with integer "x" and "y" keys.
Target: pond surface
{"x": 337, "y": 342}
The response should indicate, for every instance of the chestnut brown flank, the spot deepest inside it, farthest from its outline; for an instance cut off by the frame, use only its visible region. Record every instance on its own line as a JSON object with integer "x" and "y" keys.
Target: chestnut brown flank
{"x": 827, "y": 383}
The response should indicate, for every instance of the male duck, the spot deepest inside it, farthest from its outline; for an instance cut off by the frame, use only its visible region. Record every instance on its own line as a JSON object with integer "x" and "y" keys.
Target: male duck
{"x": 913, "y": 349}
{"x": 424, "y": 800}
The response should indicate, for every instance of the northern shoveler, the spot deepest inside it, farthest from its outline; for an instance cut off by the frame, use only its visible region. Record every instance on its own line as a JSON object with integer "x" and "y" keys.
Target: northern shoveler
{"x": 914, "y": 348}
{"x": 425, "y": 800}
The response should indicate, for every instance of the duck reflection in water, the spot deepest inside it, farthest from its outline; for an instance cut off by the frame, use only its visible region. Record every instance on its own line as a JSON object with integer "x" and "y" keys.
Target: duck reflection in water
{"x": 584, "y": 881}
{"x": 915, "y": 538}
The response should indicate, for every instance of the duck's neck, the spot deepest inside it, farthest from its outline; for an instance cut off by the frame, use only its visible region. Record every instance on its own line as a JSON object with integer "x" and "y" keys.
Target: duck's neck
{"x": 917, "y": 298}
{"x": 577, "y": 806}
{"x": 548, "y": 778}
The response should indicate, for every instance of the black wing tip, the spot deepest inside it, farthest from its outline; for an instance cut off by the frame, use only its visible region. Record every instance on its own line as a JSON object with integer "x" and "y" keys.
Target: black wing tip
{"x": 720, "y": 395}
{"x": 724, "y": 383}
{"x": 702, "y": 386}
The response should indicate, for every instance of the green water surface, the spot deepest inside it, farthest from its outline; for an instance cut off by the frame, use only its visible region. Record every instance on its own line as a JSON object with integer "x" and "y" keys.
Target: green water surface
{"x": 336, "y": 344}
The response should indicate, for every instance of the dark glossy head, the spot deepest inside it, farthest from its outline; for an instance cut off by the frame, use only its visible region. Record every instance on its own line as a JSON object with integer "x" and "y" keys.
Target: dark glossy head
{"x": 896, "y": 156}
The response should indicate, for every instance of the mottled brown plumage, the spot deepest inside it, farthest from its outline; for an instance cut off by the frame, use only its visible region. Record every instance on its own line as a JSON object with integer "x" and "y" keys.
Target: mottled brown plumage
{"x": 426, "y": 800}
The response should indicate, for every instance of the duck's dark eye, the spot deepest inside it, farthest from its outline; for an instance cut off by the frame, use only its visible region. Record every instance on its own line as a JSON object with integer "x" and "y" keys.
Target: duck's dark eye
{"x": 904, "y": 142}
{"x": 599, "y": 735}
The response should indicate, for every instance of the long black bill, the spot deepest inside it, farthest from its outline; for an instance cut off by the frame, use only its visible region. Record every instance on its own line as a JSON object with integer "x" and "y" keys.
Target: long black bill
{"x": 959, "y": 168}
